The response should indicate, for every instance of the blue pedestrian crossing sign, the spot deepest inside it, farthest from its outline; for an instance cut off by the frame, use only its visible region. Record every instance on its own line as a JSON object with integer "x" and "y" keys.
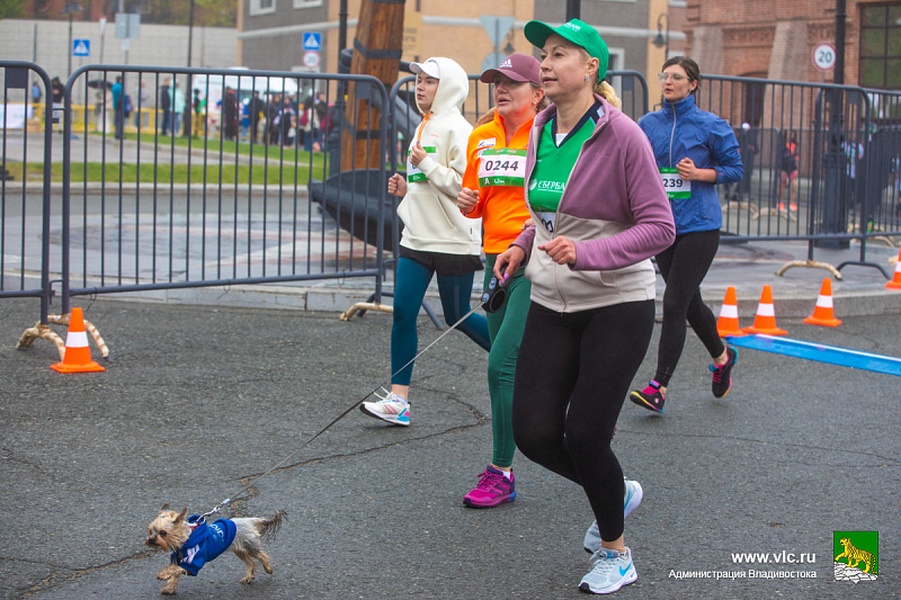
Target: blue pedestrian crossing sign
{"x": 312, "y": 40}
{"x": 81, "y": 47}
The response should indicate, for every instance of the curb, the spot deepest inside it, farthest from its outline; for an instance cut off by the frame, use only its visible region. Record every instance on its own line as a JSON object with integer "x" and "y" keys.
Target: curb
{"x": 339, "y": 299}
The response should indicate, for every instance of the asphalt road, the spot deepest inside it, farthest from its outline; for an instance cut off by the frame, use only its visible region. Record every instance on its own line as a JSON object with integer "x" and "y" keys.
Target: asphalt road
{"x": 199, "y": 400}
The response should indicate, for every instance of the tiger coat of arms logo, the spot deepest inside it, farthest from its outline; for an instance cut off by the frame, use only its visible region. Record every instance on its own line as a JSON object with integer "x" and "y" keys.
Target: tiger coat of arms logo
{"x": 856, "y": 555}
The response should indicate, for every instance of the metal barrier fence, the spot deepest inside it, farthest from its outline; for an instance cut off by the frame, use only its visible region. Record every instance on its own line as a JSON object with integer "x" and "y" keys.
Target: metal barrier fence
{"x": 180, "y": 194}
{"x": 632, "y": 89}
{"x": 25, "y": 222}
{"x": 821, "y": 161}
{"x": 246, "y": 212}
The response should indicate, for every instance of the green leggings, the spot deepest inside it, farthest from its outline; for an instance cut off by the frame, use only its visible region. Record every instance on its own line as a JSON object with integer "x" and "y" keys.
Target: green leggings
{"x": 505, "y": 329}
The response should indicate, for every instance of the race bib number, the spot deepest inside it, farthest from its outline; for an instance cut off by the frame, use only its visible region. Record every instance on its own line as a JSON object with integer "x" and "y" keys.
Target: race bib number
{"x": 502, "y": 167}
{"x": 676, "y": 187}
{"x": 548, "y": 219}
{"x": 413, "y": 173}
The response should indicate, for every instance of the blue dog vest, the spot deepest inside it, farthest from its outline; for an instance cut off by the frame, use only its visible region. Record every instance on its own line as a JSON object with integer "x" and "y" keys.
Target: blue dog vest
{"x": 207, "y": 542}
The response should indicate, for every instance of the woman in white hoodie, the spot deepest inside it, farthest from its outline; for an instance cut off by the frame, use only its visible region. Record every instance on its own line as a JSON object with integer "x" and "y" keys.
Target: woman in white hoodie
{"x": 437, "y": 237}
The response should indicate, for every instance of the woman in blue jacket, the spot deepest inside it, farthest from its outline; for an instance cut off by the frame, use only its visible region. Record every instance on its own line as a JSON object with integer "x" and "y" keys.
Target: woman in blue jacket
{"x": 695, "y": 150}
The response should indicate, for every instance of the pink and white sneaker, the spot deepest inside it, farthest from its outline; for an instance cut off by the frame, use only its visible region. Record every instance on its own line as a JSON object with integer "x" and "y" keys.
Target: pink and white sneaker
{"x": 493, "y": 490}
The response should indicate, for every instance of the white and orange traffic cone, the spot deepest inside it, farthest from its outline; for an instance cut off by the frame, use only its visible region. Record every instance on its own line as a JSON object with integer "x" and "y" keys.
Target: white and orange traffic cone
{"x": 895, "y": 283}
{"x": 765, "y": 321}
{"x": 77, "y": 357}
{"x": 823, "y": 312}
{"x": 727, "y": 324}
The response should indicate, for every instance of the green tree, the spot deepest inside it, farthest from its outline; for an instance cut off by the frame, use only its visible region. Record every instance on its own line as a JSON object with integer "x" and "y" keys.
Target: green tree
{"x": 207, "y": 13}
{"x": 10, "y": 9}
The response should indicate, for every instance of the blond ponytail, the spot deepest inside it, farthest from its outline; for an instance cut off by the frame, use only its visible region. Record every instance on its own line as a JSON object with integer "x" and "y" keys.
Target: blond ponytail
{"x": 606, "y": 90}
{"x": 602, "y": 88}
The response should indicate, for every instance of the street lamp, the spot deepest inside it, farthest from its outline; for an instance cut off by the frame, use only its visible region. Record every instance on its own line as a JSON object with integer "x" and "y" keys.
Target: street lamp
{"x": 661, "y": 40}
{"x": 70, "y": 9}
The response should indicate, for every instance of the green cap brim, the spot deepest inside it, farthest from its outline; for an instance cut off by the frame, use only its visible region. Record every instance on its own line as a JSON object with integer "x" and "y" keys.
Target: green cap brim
{"x": 537, "y": 33}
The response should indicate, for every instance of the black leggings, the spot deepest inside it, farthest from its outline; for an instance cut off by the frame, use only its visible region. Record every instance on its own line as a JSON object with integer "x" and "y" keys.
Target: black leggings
{"x": 572, "y": 375}
{"x": 683, "y": 267}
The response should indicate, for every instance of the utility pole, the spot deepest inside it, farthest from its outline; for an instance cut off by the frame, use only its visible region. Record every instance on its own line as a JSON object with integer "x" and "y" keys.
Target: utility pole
{"x": 102, "y": 36}
{"x": 342, "y": 28}
{"x": 70, "y": 9}
{"x": 834, "y": 213}
{"x": 841, "y": 14}
{"x": 189, "y": 88}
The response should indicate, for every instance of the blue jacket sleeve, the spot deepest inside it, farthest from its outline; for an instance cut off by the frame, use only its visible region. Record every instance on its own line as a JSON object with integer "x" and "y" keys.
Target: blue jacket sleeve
{"x": 725, "y": 153}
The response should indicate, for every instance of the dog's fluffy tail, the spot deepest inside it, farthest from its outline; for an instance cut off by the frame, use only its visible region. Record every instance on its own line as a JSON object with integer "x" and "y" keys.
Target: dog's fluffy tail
{"x": 268, "y": 528}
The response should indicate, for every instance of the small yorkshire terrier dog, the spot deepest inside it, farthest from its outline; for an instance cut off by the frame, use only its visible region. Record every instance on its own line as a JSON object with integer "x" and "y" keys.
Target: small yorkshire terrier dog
{"x": 193, "y": 542}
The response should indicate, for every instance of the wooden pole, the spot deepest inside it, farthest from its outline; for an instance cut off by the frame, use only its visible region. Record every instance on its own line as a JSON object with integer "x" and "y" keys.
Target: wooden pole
{"x": 378, "y": 46}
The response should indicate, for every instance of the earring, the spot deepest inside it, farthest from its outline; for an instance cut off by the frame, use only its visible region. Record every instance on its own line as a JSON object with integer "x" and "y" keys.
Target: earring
{"x": 586, "y": 78}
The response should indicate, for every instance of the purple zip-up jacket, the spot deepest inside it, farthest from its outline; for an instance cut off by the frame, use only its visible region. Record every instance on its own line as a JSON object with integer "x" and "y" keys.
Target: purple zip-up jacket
{"x": 614, "y": 209}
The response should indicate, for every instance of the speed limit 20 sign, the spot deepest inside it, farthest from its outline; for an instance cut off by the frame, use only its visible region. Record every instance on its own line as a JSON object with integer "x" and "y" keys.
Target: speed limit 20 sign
{"x": 824, "y": 56}
{"x": 311, "y": 59}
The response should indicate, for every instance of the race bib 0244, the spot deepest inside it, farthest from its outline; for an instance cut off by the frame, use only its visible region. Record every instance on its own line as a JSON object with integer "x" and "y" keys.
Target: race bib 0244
{"x": 502, "y": 167}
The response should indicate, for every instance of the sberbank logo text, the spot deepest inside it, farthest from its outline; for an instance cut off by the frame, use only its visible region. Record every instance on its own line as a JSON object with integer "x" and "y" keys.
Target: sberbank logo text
{"x": 548, "y": 186}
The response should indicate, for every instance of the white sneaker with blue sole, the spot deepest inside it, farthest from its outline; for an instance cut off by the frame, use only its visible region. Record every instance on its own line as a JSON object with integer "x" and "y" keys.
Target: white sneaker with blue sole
{"x": 610, "y": 570}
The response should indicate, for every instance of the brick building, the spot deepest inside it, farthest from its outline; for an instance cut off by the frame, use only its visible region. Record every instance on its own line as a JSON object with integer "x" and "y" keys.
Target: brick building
{"x": 63, "y": 10}
{"x": 639, "y": 32}
{"x": 775, "y": 39}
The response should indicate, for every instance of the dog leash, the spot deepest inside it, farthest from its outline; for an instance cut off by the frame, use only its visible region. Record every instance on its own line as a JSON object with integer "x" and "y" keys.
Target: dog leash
{"x": 488, "y": 302}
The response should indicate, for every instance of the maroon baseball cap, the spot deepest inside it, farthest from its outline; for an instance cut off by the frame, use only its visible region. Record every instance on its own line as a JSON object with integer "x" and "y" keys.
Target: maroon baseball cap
{"x": 518, "y": 67}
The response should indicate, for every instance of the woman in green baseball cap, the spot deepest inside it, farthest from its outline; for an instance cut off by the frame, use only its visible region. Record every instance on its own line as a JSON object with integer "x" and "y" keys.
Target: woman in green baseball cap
{"x": 599, "y": 211}
{"x": 592, "y": 46}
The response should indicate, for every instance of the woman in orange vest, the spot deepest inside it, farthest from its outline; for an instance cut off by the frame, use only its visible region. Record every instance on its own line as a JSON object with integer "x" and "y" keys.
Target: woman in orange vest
{"x": 493, "y": 191}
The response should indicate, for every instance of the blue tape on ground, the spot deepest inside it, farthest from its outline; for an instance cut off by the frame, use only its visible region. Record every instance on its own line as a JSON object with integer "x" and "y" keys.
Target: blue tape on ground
{"x": 820, "y": 352}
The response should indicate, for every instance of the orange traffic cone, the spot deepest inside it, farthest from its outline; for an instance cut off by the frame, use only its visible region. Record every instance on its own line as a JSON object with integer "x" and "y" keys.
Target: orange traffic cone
{"x": 77, "y": 357}
{"x": 823, "y": 313}
{"x": 765, "y": 321}
{"x": 727, "y": 324}
{"x": 895, "y": 283}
